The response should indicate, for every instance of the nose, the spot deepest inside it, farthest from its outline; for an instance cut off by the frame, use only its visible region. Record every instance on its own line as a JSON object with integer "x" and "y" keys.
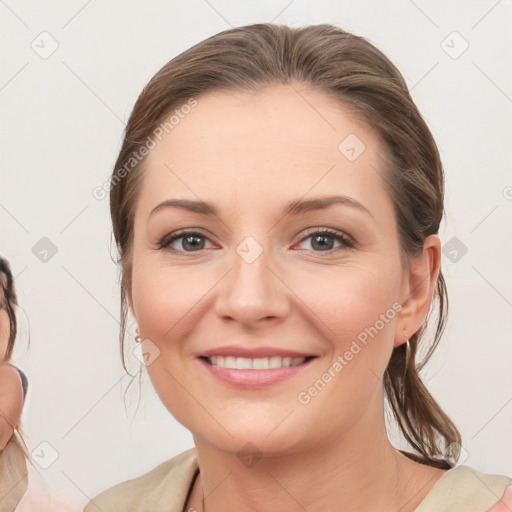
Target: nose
{"x": 252, "y": 293}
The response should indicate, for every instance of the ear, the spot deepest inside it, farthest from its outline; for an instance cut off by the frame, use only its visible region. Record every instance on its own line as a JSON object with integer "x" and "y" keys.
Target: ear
{"x": 418, "y": 286}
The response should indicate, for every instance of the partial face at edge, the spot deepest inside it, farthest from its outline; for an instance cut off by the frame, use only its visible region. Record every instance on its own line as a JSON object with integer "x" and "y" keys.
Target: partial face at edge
{"x": 263, "y": 278}
{"x": 5, "y": 328}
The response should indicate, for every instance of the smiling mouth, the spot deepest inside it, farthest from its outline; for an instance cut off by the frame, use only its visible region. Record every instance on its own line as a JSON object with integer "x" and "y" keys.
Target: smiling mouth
{"x": 258, "y": 363}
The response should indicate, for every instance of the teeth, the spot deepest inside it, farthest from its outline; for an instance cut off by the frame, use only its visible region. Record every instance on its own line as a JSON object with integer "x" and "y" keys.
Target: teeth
{"x": 229, "y": 362}
{"x": 259, "y": 363}
{"x": 242, "y": 363}
{"x": 275, "y": 362}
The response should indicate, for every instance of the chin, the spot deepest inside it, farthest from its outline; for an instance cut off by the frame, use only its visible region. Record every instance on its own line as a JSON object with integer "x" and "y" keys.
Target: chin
{"x": 253, "y": 444}
{"x": 267, "y": 438}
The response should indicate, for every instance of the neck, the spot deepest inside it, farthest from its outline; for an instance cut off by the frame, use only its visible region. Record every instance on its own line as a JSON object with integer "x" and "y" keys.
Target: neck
{"x": 360, "y": 471}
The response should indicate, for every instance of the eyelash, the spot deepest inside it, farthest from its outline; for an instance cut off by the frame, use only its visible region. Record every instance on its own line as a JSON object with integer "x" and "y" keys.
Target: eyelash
{"x": 347, "y": 241}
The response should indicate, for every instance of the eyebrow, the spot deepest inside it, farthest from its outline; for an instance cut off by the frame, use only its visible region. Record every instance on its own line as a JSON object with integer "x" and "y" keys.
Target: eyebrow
{"x": 295, "y": 207}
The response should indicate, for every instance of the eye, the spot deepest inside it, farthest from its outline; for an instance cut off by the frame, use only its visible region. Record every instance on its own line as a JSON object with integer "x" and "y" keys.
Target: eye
{"x": 323, "y": 240}
{"x": 191, "y": 241}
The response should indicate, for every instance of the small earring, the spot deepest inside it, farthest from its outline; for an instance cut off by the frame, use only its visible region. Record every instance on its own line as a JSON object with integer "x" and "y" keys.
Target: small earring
{"x": 138, "y": 339}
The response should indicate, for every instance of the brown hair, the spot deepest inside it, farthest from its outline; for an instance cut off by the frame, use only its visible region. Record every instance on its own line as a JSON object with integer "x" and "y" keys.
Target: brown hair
{"x": 350, "y": 69}
{"x": 8, "y": 301}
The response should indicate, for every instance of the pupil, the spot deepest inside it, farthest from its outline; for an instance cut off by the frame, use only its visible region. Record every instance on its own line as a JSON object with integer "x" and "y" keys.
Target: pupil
{"x": 193, "y": 245}
{"x": 322, "y": 239}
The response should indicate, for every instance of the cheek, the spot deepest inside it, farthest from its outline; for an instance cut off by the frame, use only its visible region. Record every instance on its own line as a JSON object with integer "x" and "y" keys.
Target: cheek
{"x": 359, "y": 309}
{"x": 356, "y": 308}
{"x": 163, "y": 301}
{"x": 168, "y": 301}
{"x": 352, "y": 300}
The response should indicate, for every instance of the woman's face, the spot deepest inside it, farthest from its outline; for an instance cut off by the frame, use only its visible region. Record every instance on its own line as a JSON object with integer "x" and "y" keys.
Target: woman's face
{"x": 257, "y": 284}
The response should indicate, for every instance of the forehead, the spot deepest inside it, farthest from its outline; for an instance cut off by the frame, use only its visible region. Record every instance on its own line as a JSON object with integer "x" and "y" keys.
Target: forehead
{"x": 244, "y": 120}
{"x": 282, "y": 140}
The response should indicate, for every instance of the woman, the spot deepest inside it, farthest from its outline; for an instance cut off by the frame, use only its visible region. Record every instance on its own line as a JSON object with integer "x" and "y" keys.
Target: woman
{"x": 13, "y": 388}
{"x": 276, "y": 203}
{"x": 22, "y": 488}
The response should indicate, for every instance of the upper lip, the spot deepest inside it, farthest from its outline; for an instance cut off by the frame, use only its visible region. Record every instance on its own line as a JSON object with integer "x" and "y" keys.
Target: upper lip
{"x": 252, "y": 353}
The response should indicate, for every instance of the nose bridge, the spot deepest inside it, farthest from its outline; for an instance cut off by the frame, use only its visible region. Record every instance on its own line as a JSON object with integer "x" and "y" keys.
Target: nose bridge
{"x": 251, "y": 291}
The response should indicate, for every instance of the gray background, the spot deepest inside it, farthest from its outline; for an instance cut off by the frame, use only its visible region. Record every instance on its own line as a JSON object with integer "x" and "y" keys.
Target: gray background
{"x": 71, "y": 71}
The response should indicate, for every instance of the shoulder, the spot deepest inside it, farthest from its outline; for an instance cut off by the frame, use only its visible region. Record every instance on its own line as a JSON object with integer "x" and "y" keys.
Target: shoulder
{"x": 465, "y": 489}
{"x": 163, "y": 488}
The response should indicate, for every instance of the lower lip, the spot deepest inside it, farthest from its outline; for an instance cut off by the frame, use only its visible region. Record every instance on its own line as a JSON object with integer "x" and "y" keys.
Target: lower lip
{"x": 254, "y": 379}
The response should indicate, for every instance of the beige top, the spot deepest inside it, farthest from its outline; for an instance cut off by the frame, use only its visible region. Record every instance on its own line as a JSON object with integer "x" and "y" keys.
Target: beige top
{"x": 166, "y": 487}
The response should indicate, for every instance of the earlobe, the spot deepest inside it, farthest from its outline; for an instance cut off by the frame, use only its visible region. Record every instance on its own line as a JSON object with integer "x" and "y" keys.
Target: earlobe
{"x": 419, "y": 287}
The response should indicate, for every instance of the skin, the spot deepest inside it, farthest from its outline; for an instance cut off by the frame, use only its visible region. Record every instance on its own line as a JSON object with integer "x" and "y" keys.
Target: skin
{"x": 11, "y": 395}
{"x": 249, "y": 154}
{"x": 4, "y": 329}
